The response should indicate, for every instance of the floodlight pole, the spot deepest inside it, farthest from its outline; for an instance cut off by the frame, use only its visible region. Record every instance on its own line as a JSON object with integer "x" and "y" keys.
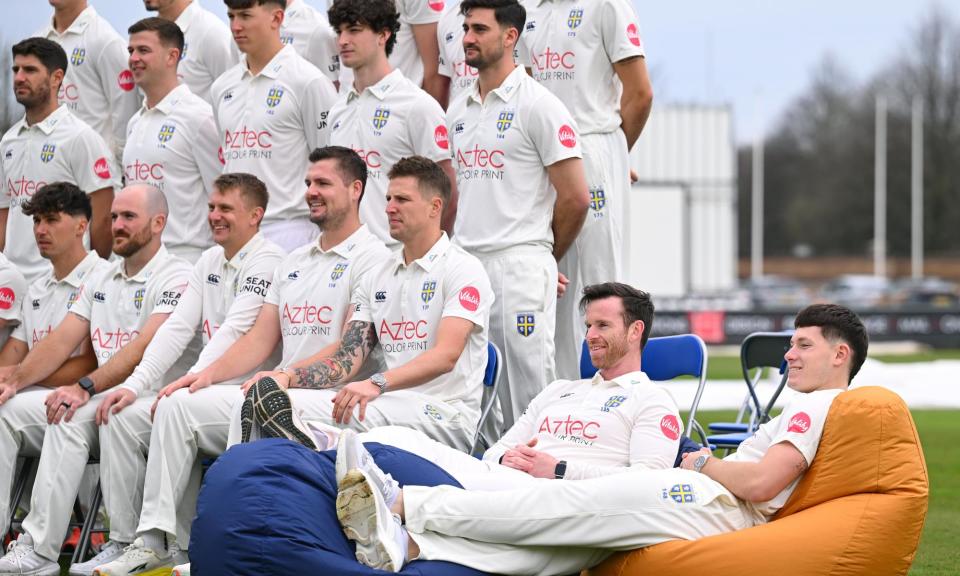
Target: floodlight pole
{"x": 756, "y": 208}
{"x": 916, "y": 190}
{"x": 880, "y": 190}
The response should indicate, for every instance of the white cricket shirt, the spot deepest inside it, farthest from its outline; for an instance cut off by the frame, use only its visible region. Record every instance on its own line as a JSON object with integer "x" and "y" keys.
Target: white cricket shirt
{"x": 452, "y": 64}
{"x": 314, "y": 290}
{"x": 222, "y": 300}
{"x": 117, "y": 306}
{"x": 309, "y": 32}
{"x": 571, "y": 46}
{"x": 98, "y": 87}
{"x": 207, "y": 49}
{"x": 388, "y": 121}
{"x": 405, "y": 304}
{"x": 48, "y": 300}
{"x": 405, "y": 55}
{"x": 269, "y": 124}
{"x": 60, "y": 148}
{"x": 800, "y": 424}
{"x": 501, "y": 147}
{"x": 173, "y": 146}
{"x": 600, "y": 426}
{"x": 13, "y": 290}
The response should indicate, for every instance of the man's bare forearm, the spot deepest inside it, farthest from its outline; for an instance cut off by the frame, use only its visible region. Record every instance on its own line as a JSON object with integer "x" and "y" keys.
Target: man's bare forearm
{"x": 355, "y": 345}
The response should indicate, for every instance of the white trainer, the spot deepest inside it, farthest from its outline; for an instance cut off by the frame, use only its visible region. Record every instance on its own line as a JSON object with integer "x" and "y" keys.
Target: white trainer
{"x": 108, "y": 553}
{"x": 137, "y": 558}
{"x": 366, "y": 519}
{"x": 352, "y": 454}
{"x": 181, "y": 570}
{"x": 22, "y": 560}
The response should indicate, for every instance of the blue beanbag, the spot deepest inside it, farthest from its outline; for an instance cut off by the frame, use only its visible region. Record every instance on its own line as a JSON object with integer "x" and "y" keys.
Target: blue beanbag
{"x": 269, "y": 507}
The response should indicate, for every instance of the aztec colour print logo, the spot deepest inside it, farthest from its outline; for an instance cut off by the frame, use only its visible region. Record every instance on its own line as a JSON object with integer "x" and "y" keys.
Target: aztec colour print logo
{"x": 526, "y": 324}
{"x": 799, "y": 423}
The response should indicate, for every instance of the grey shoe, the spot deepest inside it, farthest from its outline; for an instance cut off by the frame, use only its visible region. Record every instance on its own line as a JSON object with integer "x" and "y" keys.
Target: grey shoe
{"x": 274, "y": 415}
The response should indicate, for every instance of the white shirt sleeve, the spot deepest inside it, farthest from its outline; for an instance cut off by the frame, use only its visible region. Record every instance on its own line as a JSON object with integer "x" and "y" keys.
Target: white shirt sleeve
{"x": 253, "y": 287}
{"x": 13, "y": 289}
{"x": 361, "y": 300}
{"x": 171, "y": 339}
{"x": 273, "y": 293}
{"x": 84, "y": 302}
{"x": 469, "y": 294}
{"x": 169, "y": 293}
{"x": 415, "y": 12}
{"x": 426, "y": 117}
{"x": 620, "y": 30}
{"x": 5, "y": 195}
{"x": 206, "y": 147}
{"x": 524, "y": 428}
{"x": 444, "y": 65}
{"x": 547, "y": 118}
{"x": 93, "y": 165}
{"x": 322, "y": 52}
{"x": 216, "y": 54}
{"x": 801, "y": 423}
{"x": 111, "y": 62}
{"x": 317, "y": 99}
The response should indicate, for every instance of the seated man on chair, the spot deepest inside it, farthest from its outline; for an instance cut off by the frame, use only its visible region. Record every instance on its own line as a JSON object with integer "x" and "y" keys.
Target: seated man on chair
{"x": 426, "y": 309}
{"x": 563, "y": 527}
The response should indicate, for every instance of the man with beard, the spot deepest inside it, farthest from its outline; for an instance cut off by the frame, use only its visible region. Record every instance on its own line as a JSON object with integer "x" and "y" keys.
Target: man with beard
{"x": 48, "y": 145}
{"x": 119, "y": 310}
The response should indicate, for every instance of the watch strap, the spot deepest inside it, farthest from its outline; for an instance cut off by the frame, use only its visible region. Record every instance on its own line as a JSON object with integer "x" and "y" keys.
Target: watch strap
{"x": 560, "y": 470}
{"x": 87, "y": 384}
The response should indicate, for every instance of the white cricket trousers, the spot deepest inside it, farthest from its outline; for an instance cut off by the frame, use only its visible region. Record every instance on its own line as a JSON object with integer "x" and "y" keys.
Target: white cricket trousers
{"x": 64, "y": 452}
{"x": 470, "y": 472}
{"x": 23, "y": 424}
{"x": 562, "y": 527}
{"x": 522, "y": 322}
{"x": 160, "y": 492}
{"x": 452, "y": 424}
{"x": 291, "y": 234}
{"x": 595, "y": 256}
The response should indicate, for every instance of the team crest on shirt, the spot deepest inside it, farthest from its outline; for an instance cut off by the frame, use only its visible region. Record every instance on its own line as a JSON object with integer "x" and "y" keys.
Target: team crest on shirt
{"x": 679, "y": 493}
{"x": 380, "y": 117}
{"x": 574, "y": 19}
{"x": 526, "y": 323}
{"x": 166, "y": 133}
{"x": 72, "y": 298}
{"x": 598, "y": 198}
{"x": 78, "y": 56}
{"x": 613, "y": 402}
{"x": 431, "y": 411}
{"x": 337, "y": 273}
{"x": 183, "y": 53}
{"x": 274, "y": 96}
{"x": 286, "y": 39}
{"x": 428, "y": 291}
{"x": 504, "y": 121}
{"x": 46, "y": 153}
{"x": 138, "y": 298}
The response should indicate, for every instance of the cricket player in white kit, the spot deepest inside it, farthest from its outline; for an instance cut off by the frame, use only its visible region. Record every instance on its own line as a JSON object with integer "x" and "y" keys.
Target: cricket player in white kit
{"x": 119, "y": 311}
{"x": 13, "y": 287}
{"x": 426, "y": 309}
{"x": 62, "y": 213}
{"x": 223, "y": 298}
{"x": 208, "y": 50}
{"x": 382, "y": 114}
{"x": 563, "y": 527}
{"x": 172, "y": 140}
{"x": 314, "y": 290}
{"x": 523, "y": 196}
{"x": 97, "y": 88}
{"x": 452, "y": 63}
{"x": 592, "y": 58}
{"x": 272, "y": 110}
{"x": 308, "y": 31}
{"x": 49, "y": 144}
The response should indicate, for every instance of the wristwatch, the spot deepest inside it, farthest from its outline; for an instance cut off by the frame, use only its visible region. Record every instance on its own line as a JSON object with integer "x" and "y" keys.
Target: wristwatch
{"x": 380, "y": 380}
{"x": 87, "y": 384}
{"x": 560, "y": 469}
{"x": 700, "y": 462}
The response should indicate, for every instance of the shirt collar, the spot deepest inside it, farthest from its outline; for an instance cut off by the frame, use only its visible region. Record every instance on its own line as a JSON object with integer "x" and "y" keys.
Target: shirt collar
{"x": 626, "y": 380}
{"x": 144, "y": 274}
{"x": 251, "y": 245}
{"x": 79, "y": 25}
{"x": 272, "y": 69}
{"x": 168, "y": 103}
{"x": 79, "y": 272}
{"x": 505, "y": 91}
{"x": 344, "y": 248}
{"x": 292, "y": 6}
{"x": 47, "y": 124}
{"x": 428, "y": 260}
{"x": 381, "y": 88}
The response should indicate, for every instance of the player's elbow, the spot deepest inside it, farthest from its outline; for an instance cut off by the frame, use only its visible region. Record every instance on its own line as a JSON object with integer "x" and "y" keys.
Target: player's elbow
{"x": 761, "y": 489}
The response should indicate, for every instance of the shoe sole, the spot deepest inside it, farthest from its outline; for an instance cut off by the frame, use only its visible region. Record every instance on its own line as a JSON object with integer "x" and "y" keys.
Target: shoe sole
{"x": 162, "y": 571}
{"x": 357, "y": 512}
{"x": 274, "y": 413}
{"x": 246, "y": 418}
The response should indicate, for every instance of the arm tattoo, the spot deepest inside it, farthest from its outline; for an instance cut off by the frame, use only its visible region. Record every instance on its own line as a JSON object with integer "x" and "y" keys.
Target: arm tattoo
{"x": 356, "y": 343}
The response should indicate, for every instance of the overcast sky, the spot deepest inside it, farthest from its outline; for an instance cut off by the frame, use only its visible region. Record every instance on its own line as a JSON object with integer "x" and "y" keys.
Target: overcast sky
{"x": 754, "y": 54}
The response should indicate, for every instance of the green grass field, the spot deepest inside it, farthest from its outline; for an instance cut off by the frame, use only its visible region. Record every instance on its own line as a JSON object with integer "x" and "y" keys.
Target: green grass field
{"x": 728, "y": 367}
{"x": 939, "y": 554}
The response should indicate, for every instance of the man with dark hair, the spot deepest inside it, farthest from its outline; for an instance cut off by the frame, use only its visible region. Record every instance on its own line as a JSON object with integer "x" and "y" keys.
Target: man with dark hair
{"x": 383, "y": 115}
{"x": 206, "y": 52}
{"x": 61, "y": 213}
{"x": 97, "y": 87}
{"x": 272, "y": 111}
{"x": 426, "y": 310}
{"x": 523, "y": 194}
{"x": 563, "y": 527}
{"x": 172, "y": 141}
{"x": 223, "y": 297}
{"x": 592, "y": 59}
{"x": 118, "y": 311}
{"x": 49, "y": 144}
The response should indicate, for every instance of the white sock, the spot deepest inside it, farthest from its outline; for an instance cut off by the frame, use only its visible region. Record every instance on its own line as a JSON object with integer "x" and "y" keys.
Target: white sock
{"x": 155, "y": 540}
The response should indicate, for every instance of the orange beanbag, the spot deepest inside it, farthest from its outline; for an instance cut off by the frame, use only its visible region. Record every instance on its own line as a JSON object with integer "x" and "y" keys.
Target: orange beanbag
{"x": 859, "y": 509}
